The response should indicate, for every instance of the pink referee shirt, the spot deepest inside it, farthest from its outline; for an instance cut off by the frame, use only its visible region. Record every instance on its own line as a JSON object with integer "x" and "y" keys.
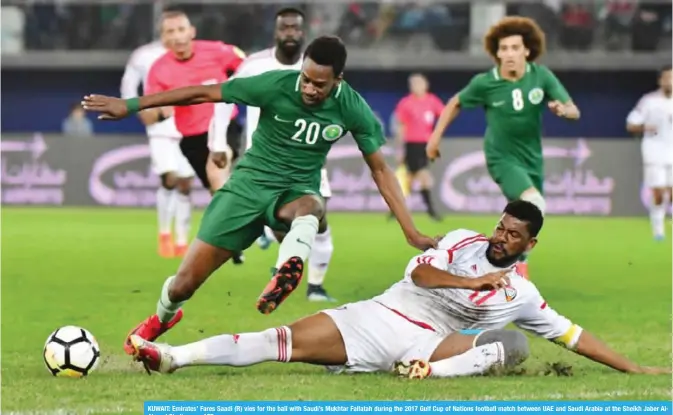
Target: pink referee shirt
{"x": 418, "y": 115}
{"x": 210, "y": 64}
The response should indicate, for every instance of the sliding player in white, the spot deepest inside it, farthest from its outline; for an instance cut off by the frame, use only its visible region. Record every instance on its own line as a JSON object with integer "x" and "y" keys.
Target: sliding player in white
{"x": 176, "y": 174}
{"x": 414, "y": 327}
{"x": 652, "y": 119}
{"x": 287, "y": 54}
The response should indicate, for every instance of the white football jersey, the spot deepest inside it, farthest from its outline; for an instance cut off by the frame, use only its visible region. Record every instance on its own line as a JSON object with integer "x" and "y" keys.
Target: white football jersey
{"x": 463, "y": 253}
{"x": 135, "y": 75}
{"x": 655, "y": 110}
{"x": 257, "y": 64}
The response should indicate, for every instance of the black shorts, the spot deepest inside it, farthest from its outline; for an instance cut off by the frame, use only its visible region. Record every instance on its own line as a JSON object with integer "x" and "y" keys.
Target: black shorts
{"x": 414, "y": 157}
{"x": 195, "y": 149}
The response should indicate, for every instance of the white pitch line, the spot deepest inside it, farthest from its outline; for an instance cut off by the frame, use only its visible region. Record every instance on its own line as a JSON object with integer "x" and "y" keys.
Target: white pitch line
{"x": 520, "y": 398}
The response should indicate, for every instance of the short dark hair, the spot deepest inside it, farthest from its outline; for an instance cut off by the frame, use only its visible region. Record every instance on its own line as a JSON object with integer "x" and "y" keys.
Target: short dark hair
{"x": 170, "y": 12}
{"x": 290, "y": 10}
{"x": 328, "y": 51}
{"x": 526, "y": 212}
{"x": 665, "y": 69}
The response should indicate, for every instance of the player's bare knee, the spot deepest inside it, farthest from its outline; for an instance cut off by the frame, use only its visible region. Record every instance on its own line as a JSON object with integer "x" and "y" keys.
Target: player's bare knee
{"x": 169, "y": 181}
{"x": 657, "y": 196}
{"x": 424, "y": 178}
{"x": 514, "y": 342}
{"x": 308, "y": 205}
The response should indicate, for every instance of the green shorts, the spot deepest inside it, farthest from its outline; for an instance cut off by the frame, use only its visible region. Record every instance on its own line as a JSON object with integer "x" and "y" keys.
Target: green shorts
{"x": 514, "y": 179}
{"x": 236, "y": 215}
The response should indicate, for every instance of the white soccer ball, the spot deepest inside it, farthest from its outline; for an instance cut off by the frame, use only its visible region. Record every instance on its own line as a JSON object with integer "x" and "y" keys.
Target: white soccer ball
{"x": 71, "y": 351}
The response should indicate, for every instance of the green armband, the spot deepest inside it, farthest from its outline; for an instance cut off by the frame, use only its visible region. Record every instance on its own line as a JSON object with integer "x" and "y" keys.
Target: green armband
{"x": 133, "y": 105}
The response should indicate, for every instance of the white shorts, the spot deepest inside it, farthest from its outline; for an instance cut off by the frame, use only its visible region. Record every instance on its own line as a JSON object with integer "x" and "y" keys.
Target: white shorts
{"x": 376, "y": 337}
{"x": 325, "y": 189}
{"x": 658, "y": 175}
{"x": 168, "y": 158}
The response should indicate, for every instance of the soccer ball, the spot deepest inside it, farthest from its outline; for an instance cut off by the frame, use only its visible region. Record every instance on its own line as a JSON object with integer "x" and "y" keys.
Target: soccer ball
{"x": 72, "y": 352}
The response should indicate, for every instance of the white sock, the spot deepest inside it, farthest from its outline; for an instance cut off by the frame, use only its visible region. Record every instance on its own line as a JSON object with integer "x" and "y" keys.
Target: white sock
{"x": 658, "y": 219}
{"x": 183, "y": 219}
{"x": 299, "y": 240}
{"x": 318, "y": 260}
{"x": 237, "y": 350}
{"x": 473, "y": 362}
{"x": 166, "y": 309}
{"x": 268, "y": 232}
{"x": 165, "y": 209}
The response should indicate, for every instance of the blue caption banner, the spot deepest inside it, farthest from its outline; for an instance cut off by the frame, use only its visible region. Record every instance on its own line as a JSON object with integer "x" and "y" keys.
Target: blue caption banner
{"x": 415, "y": 407}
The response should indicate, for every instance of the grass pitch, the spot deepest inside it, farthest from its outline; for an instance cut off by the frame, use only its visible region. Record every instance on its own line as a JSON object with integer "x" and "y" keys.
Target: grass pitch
{"x": 98, "y": 269}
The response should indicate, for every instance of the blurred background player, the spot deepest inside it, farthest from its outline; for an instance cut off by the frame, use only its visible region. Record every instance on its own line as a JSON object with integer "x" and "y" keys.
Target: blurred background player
{"x": 289, "y": 40}
{"x": 513, "y": 94}
{"x": 193, "y": 62}
{"x": 416, "y": 115}
{"x": 652, "y": 119}
{"x": 173, "y": 196}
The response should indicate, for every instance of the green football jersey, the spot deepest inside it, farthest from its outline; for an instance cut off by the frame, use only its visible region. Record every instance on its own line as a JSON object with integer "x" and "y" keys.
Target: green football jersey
{"x": 514, "y": 111}
{"x": 292, "y": 139}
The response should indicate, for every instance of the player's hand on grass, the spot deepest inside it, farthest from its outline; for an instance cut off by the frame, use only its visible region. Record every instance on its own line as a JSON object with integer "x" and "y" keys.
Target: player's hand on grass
{"x": 491, "y": 281}
{"x": 219, "y": 158}
{"x": 110, "y": 108}
{"x": 422, "y": 242}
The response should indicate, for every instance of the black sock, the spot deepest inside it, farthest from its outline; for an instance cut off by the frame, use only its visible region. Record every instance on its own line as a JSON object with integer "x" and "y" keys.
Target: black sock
{"x": 425, "y": 193}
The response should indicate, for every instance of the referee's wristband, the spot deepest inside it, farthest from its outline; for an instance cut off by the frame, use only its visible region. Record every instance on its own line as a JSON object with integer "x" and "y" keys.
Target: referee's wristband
{"x": 133, "y": 105}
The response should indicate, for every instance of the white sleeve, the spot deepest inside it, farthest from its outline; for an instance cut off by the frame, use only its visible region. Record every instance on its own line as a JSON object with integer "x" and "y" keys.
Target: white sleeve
{"x": 131, "y": 80}
{"x": 537, "y": 317}
{"x": 217, "y": 134}
{"x": 637, "y": 114}
{"x": 435, "y": 257}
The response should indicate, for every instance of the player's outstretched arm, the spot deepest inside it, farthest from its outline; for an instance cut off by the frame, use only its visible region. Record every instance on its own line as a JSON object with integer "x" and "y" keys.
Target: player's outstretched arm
{"x": 592, "y": 348}
{"x": 541, "y": 320}
{"x": 112, "y": 108}
{"x": 390, "y": 189}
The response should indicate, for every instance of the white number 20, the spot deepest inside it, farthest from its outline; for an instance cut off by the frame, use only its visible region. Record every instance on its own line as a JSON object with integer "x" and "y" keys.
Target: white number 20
{"x": 312, "y": 131}
{"x": 517, "y": 99}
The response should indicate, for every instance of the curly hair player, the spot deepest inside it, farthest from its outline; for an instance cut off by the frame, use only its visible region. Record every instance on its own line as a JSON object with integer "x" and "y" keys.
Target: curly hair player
{"x": 513, "y": 94}
{"x": 413, "y": 328}
{"x": 277, "y": 181}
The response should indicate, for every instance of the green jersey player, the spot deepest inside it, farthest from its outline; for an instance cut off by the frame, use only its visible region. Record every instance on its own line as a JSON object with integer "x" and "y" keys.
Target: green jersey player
{"x": 276, "y": 183}
{"x": 513, "y": 94}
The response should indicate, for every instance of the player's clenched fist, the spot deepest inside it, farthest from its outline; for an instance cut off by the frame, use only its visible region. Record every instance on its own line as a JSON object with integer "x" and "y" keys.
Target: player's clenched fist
{"x": 491, "y": 281}
{"x": 110, "y": 108}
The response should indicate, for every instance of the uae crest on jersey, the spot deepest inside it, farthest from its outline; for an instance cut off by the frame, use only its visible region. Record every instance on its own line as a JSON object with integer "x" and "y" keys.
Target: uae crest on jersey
{"x": 535, "y": 96}
{"x": 510, "y": 293}
{"x": 332, "y": 132}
